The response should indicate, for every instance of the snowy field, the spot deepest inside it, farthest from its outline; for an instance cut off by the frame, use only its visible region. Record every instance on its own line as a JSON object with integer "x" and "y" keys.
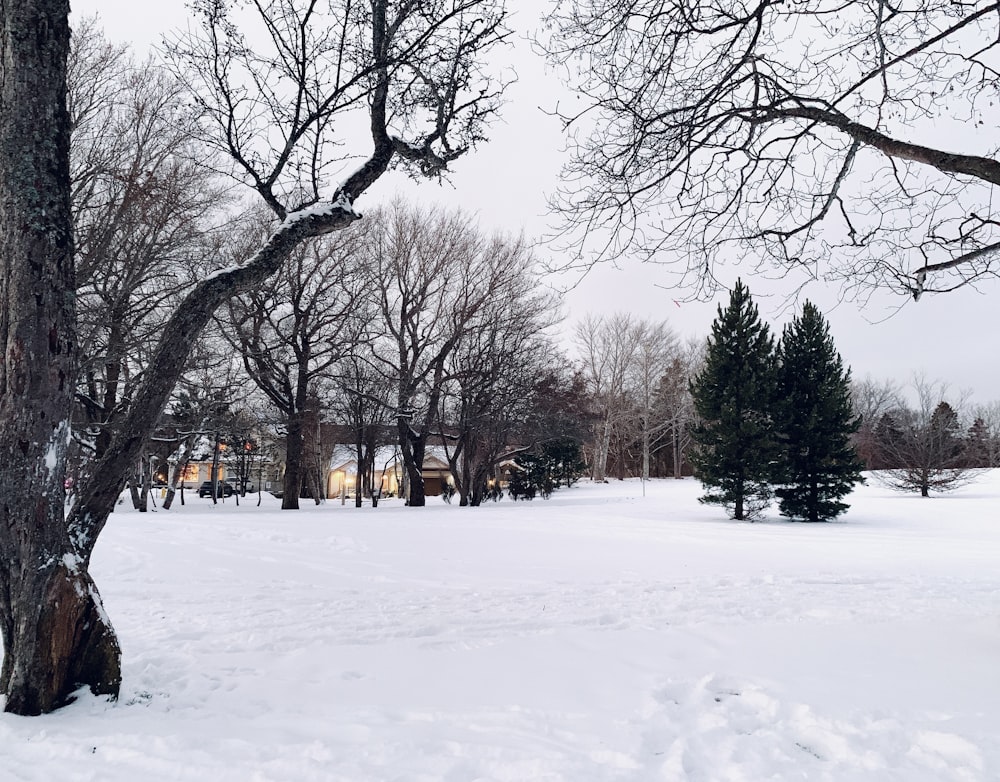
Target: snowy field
{"x": 601, "y": 635}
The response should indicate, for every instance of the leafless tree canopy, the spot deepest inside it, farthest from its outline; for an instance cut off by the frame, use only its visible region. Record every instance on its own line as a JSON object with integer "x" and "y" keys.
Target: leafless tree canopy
{"x": 142, "y": 210}
{"x": 292, "y": 330}
{"x": 281, "y": 85}
{"x": 849, "y": 139}
{"x": 925, "y": 448}
{"x": 440, "y": 286}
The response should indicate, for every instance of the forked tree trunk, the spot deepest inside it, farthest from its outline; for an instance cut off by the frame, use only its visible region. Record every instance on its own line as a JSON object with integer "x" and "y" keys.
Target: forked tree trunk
{"x": 55, "y": 634}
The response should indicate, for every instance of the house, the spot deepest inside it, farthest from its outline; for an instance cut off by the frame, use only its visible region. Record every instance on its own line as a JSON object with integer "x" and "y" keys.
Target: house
{"x": 342, "y": 476}
{"x": 198, "y": 462}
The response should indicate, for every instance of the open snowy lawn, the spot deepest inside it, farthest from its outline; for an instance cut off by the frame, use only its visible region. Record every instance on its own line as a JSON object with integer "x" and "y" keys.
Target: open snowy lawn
{"x": 601, "y": 635}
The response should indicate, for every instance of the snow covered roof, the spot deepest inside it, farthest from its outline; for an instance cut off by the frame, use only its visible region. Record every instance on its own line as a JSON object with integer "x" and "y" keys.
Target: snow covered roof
{"x": 345, "y": 458}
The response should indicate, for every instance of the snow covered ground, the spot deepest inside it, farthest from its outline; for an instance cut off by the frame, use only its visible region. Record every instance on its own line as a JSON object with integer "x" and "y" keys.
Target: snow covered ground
{"x": 601, "y": 635}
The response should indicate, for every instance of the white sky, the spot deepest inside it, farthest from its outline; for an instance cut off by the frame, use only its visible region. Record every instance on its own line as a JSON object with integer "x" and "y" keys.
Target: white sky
{"x": 951, "y": 337}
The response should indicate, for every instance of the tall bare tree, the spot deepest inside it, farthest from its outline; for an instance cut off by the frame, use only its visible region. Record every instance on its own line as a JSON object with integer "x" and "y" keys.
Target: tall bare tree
{"x": 142, "y": 210}
{"x": 923, "y": 446}
{"x": 848, "y": 139}
{"x": 674, "y": 405}
{"x": 291, "y": 332}
{"x": 607, "y": 347}
{"x": 412, "y": 70}
{"x": 656, "y": 349}
{"x": 434, "y": 276}
{"x": 493, "y": 375}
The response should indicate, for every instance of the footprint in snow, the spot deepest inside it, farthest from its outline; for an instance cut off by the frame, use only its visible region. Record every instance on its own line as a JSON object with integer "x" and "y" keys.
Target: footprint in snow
{"x": 719, "y": 728}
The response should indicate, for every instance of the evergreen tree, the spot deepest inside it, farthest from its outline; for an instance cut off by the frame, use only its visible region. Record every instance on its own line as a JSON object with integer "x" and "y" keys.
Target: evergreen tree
{"x": 817, "y": 464}
{"x": 888, "y": 441}
{"x": 977, "y": 449}
{"x": 733, "y": 392}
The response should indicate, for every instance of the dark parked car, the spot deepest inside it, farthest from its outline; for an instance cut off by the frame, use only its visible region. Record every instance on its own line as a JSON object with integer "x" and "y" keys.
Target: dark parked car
{"x": 222, "y": 489}
{"x": 248, "y": 488}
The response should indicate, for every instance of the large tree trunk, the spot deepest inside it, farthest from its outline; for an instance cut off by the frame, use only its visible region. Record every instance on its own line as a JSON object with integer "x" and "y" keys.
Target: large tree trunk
{"x": 412, "y": 447}
{"x": 294, "y": 447}
{"x": 56, "y": 639}
{"x": 55, "y": 634}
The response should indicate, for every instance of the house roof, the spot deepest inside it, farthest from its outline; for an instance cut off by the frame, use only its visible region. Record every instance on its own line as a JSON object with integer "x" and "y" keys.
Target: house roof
{"x": 345, "y": 457}
{"x": 387, "y": 457}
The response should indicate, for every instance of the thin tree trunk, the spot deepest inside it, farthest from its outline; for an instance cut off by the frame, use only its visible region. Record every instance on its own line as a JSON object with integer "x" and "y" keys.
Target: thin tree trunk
{"x": 214, "y": 472}
{"x": 601, "y": 451}
{"x": 677, "y": 443}
{"x": 359, "y": 442}
{"x": 645, "y": 450}
{"x": 314, "y": 469}
{"x": 175, "y": 474}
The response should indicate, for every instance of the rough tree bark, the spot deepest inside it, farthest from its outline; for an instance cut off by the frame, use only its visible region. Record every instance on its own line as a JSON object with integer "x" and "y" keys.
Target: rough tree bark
{"x": 55, "y": 634}
{"x": 291, "y": 485}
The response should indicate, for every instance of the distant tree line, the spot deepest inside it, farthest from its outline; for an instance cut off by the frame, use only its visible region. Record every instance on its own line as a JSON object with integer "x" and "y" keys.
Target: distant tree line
{"x": 415, "y": 328}
{"x": 636, "y": 374}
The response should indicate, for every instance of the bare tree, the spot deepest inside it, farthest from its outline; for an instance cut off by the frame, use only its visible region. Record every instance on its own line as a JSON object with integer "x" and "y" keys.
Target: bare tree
{"x": 414, "y": 72}
{"x": 291, "y": 332}
{"x": 674, "y": 405}
{"x": 798, "y": 131}
{"x": 363, "y": 399}
{"x": 871, "y": 400}
{"x": 656, "y": 351}
{"x": 607, "y": 349}
{"x": 141, "y": 209}
{"x": 434, "y": 276}
{"x": 924, "y": 446}
{"x": 493, "y": 374}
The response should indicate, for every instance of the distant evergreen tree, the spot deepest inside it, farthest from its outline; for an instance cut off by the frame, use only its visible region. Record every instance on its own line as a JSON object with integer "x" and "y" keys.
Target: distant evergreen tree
{"x": 977, "y": 449}
{"x": 554, "y": 464}
{"x": 733, "y": 394}
{"x": 814, "y": 419}
{"x": 945, "y": 431}
{"x": 888, "y": 440}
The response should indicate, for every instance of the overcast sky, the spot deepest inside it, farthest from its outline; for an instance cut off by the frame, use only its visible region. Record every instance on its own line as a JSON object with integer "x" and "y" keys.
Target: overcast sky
{"x": 951, "y": 337}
